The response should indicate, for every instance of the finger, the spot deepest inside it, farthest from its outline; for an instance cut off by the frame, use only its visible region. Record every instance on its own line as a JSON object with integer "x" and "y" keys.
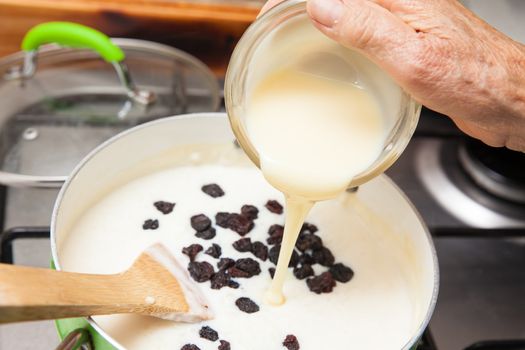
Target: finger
{"x": 490, "y": 138}
{"x": 516, "y": 143}
{"x": 364, "y": 25}
{"x": 269, "y": 4}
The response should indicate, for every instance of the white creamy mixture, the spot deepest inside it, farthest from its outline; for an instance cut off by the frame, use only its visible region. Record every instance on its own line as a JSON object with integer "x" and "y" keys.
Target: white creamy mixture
{"x": 377, "y": 309}
{"x": 313, "y": 135}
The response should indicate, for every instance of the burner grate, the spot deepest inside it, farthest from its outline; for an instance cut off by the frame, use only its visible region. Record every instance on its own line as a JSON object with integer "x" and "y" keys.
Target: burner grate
{"x": 473, "y": 232}
{"x": 8, "y": 237}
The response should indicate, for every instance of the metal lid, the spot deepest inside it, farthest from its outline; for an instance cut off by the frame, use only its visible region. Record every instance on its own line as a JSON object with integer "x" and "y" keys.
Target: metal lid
{"x": 74, "y": 100}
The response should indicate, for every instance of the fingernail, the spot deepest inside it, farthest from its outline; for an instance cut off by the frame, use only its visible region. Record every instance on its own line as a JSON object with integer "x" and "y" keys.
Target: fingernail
{"x": 326, "y": 12}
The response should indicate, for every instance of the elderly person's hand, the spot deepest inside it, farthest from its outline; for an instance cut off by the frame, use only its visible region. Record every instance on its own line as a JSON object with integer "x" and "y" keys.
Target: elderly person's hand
{"x": 442, "y": 54}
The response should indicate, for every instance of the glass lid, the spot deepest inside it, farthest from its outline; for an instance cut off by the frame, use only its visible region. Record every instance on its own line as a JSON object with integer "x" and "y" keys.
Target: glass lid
{"x": 60, "y": 103}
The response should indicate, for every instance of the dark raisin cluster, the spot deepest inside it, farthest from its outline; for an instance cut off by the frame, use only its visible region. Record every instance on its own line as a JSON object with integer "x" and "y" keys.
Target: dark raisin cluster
{"x": 210, "y": 334}
{"x": 309, "y": 250}
{"x": 165, "y": 208}
{"x": 202, "y": 224}
{"x": 240, "y": 223}
{"x": 259, "y": 249}
{"x": 202, "y": 271}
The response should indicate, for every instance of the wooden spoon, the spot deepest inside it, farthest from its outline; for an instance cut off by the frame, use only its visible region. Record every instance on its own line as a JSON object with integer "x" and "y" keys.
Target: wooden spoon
{"x": 154, "y": 285}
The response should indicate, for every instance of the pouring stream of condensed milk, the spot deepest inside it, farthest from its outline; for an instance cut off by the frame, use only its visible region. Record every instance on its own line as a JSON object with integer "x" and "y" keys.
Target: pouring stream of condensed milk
{"x": 314, "y": 134}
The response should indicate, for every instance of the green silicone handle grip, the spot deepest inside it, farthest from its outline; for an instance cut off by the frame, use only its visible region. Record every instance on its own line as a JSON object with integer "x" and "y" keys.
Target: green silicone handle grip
{"x": 73, "y": 35}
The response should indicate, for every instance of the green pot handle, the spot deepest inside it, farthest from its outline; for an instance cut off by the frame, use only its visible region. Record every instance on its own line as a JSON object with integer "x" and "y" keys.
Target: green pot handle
{"x": 78, "y": 36}
{"x": 72, "y": 35}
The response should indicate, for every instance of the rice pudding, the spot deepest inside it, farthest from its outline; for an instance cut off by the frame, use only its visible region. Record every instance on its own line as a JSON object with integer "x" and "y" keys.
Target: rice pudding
{"x": 383, "y": 294}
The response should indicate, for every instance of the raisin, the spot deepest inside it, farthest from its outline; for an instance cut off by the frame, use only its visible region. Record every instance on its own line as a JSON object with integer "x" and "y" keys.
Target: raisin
{"x": 291, "y": 342}
{"x": 309, "y": 228}
{"x": 225, "y": 263}
{"x": 273, "y": 254}
{"x": 248, "y": 265}
{"x": 274, "y": 207}
{"x": 275, "y": 229}
{"x": 221, "y": 219}
{"x": 274, "y": 240}
{"x": 190, "y": 347}
{"x": 245, "y": 268}
{"x": 302, "y": 272}
{"x": 323, "y": 257}
{"x": 240, "y": 224}
{"x": 233, "y": 284}
{"x": 243, "y": 245}
{"x": 238, "y": 273}
{"x": 341, "y": 272}
{"x": 271, "y": 270}
{"x": 164, "y": 207}
{"x": 200, "y": 271}
{"x": 247, "y": 305}
{"x": 207, "y": 234}
{"x": 192, "y": 250}
{"x": 209, "y": 333}
{"x": 250, "y": 211}
{"x": 150, "y": 224}
{"x": 224, "y": 345}
{"x": 324, "y": 283}
{"x": 309, "y": 241}
{"x": 200, "y": 222}
{"x": 276, "y": 234}
{"x": 213, "y": 190}
{"x": 220, "y": 279}
{"x": 260, "y": 250}
{"x": 223, "y": 279}
{"x": 214, "y": 250}
{"x": 306, "y": 258}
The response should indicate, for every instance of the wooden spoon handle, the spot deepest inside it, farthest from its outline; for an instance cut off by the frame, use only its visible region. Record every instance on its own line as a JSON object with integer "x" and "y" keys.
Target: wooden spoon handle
{"x": 28, "y": 293}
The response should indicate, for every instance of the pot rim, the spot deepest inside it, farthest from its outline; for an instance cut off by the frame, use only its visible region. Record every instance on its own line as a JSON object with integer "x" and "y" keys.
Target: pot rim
{"x": 94, "y": 152}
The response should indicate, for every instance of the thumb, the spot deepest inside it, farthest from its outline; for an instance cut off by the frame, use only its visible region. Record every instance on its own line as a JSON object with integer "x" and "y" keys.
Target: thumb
{"x": 364, "y": 25}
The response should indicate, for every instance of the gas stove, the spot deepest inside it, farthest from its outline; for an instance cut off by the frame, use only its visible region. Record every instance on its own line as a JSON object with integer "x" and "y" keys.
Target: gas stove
{"x": 474, "y": 208}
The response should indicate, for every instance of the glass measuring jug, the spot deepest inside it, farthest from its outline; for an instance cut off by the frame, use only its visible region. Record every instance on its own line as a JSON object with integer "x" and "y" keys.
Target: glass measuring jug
{"x": 275, "y": 41}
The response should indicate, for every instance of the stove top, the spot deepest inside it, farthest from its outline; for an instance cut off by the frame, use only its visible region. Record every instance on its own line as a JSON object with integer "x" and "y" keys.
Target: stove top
{"x": 479, "y": 236}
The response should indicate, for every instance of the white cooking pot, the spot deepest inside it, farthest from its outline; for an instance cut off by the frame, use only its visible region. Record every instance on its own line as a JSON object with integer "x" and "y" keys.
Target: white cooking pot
{"x": 130, "y": 154}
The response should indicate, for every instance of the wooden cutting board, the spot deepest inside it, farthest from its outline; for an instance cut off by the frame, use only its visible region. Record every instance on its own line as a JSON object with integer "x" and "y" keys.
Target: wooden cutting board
{"x": 207, "y": 29}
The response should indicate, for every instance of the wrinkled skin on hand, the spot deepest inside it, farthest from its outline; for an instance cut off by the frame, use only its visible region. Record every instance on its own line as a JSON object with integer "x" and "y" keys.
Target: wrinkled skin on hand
{"x": 442, "y": 54}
